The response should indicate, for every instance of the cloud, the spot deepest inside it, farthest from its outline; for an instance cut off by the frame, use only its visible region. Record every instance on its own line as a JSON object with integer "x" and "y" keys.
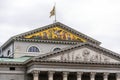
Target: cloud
{"x": 96, "y": 18}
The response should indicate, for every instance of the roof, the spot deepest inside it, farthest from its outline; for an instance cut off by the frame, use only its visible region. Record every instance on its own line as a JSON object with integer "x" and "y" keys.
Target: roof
{"x": 20, "y": 36}
{"x": 20, "y": 59}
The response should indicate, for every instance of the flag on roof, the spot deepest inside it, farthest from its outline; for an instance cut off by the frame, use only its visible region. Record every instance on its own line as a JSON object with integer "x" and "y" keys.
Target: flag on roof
{"x": 52, "y": 12}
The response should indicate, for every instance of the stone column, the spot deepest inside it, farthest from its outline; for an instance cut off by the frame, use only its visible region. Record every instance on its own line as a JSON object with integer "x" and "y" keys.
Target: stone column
{"x": 117, "y": 76}
{"x": 35, "y": 75}
{"x": 79, "y": 75}
{"x": 105, "y": 76}
{"x": 50, "y": 75}
{"x": 92, "y": 76}
{"x": 65, "y": 75}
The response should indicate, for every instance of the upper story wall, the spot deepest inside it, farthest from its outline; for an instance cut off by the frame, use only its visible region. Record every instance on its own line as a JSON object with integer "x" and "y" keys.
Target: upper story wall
{"x": 21, "y": 48}
{"x": 8, "y": 51}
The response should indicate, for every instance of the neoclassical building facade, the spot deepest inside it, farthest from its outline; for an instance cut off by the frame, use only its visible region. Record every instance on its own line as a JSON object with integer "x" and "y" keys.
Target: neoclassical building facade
{"x": 57, "y": 52}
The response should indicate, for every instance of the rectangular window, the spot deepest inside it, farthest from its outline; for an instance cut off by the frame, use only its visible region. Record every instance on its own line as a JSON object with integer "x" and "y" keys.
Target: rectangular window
{"x": 12, "y": 68}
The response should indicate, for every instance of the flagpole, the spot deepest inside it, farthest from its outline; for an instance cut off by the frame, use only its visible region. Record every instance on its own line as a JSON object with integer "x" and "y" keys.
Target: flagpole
{"x": 55, "y": 12}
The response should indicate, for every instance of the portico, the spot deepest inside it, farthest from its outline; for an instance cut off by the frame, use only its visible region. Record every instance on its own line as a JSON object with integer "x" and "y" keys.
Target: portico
{"x": 55, "y": 70}
{"x": 50, "y": 75}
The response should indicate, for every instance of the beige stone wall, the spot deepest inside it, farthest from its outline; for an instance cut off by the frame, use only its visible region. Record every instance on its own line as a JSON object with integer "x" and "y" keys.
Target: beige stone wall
{"x": 7, "y": 74}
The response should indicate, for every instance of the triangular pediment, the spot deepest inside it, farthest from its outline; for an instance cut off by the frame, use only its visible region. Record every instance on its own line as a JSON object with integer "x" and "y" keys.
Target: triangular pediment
{"x": 57, "y": 31}
{"x": 84, "y": 53}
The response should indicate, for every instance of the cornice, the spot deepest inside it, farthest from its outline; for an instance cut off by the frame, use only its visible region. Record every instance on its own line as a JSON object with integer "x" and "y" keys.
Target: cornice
{"x": 35, "y": 61}
{"x": 12, "y": 63}
{"x": 47, "y": 41}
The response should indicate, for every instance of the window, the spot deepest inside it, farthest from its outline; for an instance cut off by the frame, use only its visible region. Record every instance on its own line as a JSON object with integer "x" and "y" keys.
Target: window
{"x": 12, "y": 68}
{"x": 33, "y": 49}
{"x": 56, "y": 49}
{"x": 8, "y": 53}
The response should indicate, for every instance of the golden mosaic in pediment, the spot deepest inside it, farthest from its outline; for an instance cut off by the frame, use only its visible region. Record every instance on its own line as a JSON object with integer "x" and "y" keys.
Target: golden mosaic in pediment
{"x": 55, "y": 33}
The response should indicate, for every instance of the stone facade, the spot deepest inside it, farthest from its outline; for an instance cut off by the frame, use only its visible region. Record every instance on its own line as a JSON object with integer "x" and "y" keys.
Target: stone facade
{"x": 62, "y": 54}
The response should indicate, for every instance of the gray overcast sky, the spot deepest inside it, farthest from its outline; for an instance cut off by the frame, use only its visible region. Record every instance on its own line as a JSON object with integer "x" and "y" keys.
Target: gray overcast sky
{"x": 99, "y": 19}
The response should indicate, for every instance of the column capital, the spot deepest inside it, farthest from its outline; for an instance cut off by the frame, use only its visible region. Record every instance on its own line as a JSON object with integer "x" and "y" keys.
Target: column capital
{"x": 79, "y": 73}
{"x": 92, "y": 75}
{"x": 51, "y": 72}
{"x": 50, "y": 75}
{"x": 65, "y": 73}
{"x": 35, "y": 75}
{"x": 35, "y": 72}
{"x": 106, "y": 74}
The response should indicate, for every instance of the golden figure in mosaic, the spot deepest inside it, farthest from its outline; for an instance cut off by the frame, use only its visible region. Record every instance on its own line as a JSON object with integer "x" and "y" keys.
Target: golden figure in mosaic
{"x": 55, "y": 33}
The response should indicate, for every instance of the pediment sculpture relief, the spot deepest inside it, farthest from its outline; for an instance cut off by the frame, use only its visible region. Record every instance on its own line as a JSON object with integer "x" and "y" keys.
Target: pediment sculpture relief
{"x": 85, "y": 56}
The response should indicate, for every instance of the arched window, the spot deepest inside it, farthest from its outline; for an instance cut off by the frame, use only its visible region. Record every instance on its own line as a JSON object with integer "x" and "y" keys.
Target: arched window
{"x": 33, "y": 49}
{"x": 56, "y": 49}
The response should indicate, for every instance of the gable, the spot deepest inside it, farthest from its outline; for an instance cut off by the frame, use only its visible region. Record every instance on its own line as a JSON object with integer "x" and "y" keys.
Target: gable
{"x": 84, "y": 54}
{"x": 55, "y": 33}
